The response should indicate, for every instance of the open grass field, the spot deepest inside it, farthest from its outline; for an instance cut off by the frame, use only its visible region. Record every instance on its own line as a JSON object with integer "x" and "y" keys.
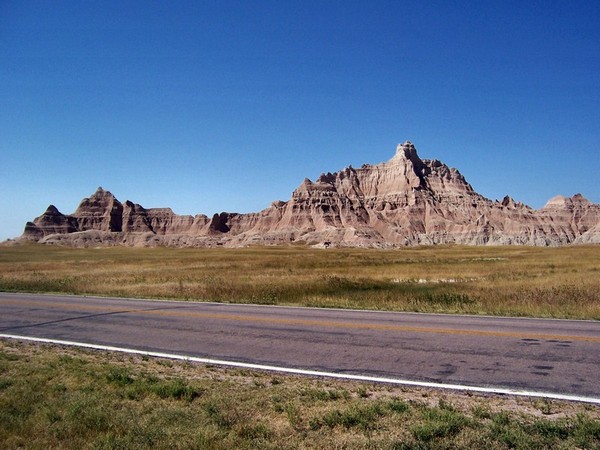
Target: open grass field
{"x": 53, "y": 397}
{"x": 512, "y": 281}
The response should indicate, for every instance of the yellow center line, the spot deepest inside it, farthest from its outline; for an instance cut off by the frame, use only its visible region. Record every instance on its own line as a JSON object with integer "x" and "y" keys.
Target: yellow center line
{"x": 307, "y": 322}
{"x": 373, "y": 326}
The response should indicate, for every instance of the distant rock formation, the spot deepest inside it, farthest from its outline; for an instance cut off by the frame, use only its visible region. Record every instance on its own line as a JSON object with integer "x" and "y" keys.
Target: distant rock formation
{"x": 405, "y": 201}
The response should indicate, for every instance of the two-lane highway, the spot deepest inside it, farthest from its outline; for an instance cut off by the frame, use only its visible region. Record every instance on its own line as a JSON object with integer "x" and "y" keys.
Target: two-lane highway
{"x": 559, "y": 357}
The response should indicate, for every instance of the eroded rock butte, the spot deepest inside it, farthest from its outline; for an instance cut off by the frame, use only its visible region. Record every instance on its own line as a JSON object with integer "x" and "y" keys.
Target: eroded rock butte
{"x": 404, "y": 201}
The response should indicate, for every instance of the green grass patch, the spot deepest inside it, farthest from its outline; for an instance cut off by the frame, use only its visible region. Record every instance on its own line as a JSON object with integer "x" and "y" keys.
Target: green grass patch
{"x": 53, "y": 397}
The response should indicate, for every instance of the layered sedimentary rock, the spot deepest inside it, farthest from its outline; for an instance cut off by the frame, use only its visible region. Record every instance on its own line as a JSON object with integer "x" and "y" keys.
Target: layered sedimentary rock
{"x": 404, "y": 201}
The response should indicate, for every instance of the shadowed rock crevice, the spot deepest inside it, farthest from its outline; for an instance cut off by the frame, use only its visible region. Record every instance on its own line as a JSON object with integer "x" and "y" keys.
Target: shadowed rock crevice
{"x": 219, "y": 223}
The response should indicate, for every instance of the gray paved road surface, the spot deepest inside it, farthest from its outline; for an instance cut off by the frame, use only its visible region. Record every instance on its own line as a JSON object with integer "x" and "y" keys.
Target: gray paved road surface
{"x": 558, "y": 356}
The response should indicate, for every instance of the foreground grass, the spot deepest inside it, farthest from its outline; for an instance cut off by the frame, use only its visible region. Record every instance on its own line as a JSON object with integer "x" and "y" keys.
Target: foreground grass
{"x": 53, "y": 397}
{"x": 514, "y": 281}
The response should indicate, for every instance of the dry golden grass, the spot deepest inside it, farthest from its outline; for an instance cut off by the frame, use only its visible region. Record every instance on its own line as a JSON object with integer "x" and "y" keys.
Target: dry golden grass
{"x": 516, "y": 281}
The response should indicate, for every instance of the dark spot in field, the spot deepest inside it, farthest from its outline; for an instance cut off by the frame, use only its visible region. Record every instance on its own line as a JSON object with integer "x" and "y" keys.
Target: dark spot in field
{"x": 530, "y": 340}
{"x": 544, "y": 374}
{"x": 543, "y": 367}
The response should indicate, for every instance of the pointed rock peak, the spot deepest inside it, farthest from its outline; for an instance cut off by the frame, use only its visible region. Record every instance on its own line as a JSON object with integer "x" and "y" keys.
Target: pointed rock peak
{"x": 407, "y": 152}
{"x": 407, "y": 149}
{"x": 52, "y": 210}
{"x": 580, "y": 199}
{"x": 278, "y": 204}
{"x": 508, "y": 201}
{"x": 133, "y": 206}
{"x": 326, "y": 178}
{"x": 101, "y": 193}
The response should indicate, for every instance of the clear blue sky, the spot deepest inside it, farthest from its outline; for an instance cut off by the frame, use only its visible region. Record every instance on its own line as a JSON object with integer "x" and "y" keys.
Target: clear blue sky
{"x": 210, "y": 106}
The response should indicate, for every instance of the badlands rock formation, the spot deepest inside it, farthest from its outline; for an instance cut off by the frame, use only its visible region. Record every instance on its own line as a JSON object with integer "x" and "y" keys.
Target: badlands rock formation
{"x": 405, "y": 201}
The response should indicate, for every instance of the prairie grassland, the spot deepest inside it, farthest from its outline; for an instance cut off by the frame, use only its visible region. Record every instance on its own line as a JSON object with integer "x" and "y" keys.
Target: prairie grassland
{"x": 54, "y": 397}
{"x": 514, "y": 281}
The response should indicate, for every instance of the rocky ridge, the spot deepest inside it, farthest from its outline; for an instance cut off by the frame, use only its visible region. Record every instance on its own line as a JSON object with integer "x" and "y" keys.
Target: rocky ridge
{"x": 404, "y": 201}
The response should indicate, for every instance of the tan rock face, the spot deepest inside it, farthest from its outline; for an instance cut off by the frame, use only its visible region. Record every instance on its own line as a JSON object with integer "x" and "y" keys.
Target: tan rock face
{"x": 51, "y": 222}
{"x": 102, "y": 211}
{"x": 404, "y": 201}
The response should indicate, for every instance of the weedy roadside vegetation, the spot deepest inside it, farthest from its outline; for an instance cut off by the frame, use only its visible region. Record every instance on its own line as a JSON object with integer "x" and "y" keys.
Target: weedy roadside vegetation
{"x": 511, "y": 281}
{"x": 58, "y": 397}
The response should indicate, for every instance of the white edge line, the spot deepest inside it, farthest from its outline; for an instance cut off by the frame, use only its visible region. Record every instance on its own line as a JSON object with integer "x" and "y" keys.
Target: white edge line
{"x": 314, "y": 373}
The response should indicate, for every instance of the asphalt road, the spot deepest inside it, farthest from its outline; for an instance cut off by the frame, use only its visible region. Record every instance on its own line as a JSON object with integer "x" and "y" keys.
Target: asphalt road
{"x": 553, "y": 356}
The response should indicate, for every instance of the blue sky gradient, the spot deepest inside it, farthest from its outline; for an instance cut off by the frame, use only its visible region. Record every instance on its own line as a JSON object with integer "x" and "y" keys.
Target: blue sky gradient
{"x": 226, "y": 106}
